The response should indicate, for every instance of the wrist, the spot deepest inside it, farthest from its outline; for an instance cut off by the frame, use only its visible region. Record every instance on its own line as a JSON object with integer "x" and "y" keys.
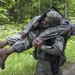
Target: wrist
{"x": 42, "y": 47}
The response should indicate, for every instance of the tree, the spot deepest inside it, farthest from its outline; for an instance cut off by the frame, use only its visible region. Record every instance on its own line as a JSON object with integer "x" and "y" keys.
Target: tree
{"x": 18, "y": 11}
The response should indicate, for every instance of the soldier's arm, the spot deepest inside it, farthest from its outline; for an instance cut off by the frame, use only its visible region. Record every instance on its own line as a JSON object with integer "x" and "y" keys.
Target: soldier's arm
{"x": 56, "y": 48}
{"x": 55, "y": 31}
{"x": 52, "y": 32}
{"x": 30, "y": 26}
{"x": 32, "y": 23}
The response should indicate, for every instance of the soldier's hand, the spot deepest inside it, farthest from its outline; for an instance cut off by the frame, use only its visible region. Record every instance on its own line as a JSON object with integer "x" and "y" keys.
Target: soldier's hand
{"x": 24, "y": 32}
{"x": 38, "y": 42}
{"x": 34, "y": 43}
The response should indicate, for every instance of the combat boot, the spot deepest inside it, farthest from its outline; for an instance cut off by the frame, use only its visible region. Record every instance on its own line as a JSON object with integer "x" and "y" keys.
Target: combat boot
{"x": 4, "y": 53}
{"x": 3, "y": 43}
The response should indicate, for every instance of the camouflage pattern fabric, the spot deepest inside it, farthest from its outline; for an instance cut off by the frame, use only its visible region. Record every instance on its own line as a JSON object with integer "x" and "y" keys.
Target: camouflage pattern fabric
{"x": 20, "y": 44}
{"x": 44, "y": 68}
{"x": 52, "y": 32}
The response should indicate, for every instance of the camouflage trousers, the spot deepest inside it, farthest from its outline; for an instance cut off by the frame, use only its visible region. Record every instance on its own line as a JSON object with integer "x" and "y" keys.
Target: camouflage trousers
{"x": 43, "y": 68}
{"x": 20, "y": 44}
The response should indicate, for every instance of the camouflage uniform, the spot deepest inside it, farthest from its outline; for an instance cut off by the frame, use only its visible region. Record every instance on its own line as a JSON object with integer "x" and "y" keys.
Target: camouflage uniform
{"x": 53, "y": 51}
{"x": 20, "y": 44}
{"x": 56, "y": 48}
{"x": 46, "y": 56}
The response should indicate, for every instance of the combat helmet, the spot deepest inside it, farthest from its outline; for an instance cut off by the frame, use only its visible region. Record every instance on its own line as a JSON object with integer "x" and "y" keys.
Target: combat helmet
{"x": 54, "y": 17}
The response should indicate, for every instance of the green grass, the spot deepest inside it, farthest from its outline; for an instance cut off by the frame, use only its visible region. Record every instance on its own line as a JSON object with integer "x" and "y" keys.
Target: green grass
{"x": 19, "y": 64}
{"x": 70, "y": 51}
{"x": 24, "y": 63}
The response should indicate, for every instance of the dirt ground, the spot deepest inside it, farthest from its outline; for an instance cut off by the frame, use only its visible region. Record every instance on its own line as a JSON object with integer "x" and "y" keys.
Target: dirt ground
{"x": 70, "y": 70}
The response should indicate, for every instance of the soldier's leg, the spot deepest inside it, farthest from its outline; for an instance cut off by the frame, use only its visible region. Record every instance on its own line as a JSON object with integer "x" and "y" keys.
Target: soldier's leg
{"x": 10, "y": 40}
{"x": 60, "y": 71}
{"x": 18, "y": 47}
{"x": 4, "y": 53}
{"x": 40, "y": 68}
{"x": 3, "y": 43}
{"x": 25, "y": 43}
{"x": 48, "y": 68}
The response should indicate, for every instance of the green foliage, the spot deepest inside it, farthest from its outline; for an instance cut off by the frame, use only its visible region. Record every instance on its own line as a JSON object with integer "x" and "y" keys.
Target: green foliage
{"x": 70, "y": 51}
{"x": 19, "y": 64}
{"x": 72, "y": 8}
{"x": 2, "y": 2}
{"x": 24, "y": 63}
{"x": 19, "y": 10}
{"x": 3, "y": 15}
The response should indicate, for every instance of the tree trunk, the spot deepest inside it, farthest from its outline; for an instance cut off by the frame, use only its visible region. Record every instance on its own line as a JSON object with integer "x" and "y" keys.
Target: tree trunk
{"x": 17, "y": 11}
{"x": 21, "y": 8}
{"x": 68, "y": 9}
{"x": 65, "y": 8}
{"x": 50, "y": 2}
{"x": 39, "y": 6}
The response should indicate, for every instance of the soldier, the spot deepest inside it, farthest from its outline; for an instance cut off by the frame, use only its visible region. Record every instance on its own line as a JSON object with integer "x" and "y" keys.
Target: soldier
{"x": 50, "y": 52}
{"x": 23, "y": 41}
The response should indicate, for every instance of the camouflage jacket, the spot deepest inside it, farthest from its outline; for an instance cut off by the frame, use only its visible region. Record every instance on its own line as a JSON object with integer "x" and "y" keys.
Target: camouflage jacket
{"x": 58, "y": 34}
{"x": 51, "y": 32}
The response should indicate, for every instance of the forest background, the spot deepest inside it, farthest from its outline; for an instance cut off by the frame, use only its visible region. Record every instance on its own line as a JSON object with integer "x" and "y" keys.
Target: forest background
{"x": 14, "y": 14}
